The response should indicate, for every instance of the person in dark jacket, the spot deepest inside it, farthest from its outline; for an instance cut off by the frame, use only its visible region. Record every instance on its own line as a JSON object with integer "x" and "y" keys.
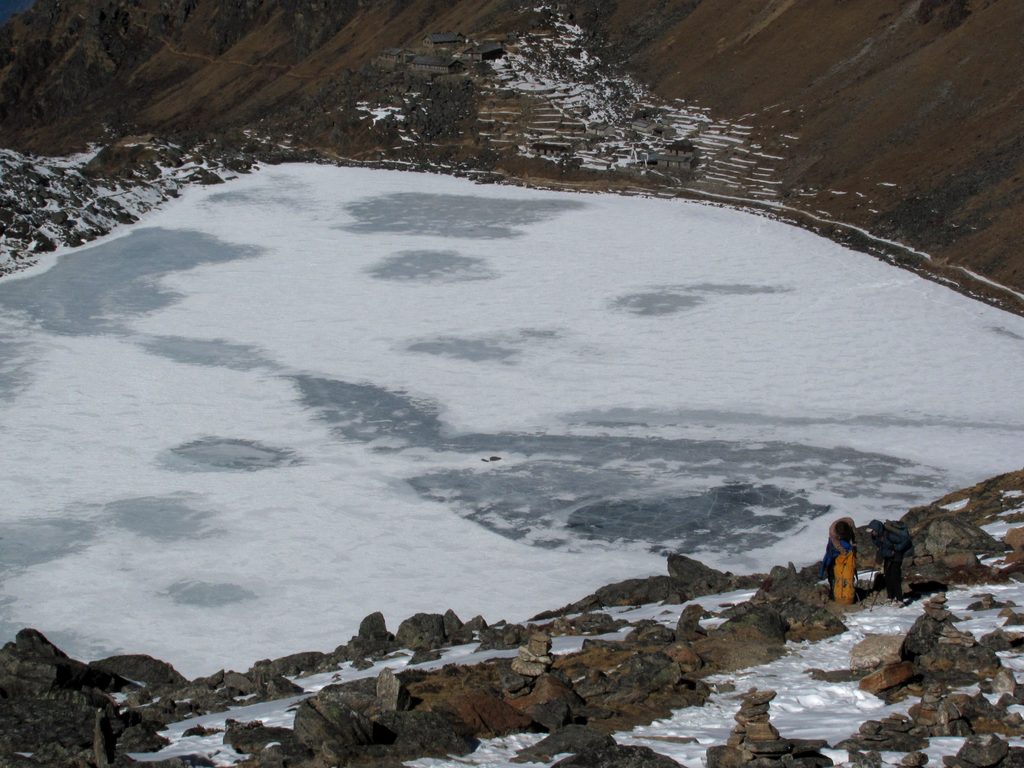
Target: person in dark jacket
{"x": 840, "y": 539}
{"x": 892, "y": 546}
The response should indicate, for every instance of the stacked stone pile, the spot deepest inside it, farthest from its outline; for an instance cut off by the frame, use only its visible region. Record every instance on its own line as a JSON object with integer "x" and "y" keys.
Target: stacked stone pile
{"x": 944, "y": 654}
{"x": 951, "y": 713}
{"x": 534, "y": 658}
{"x": 757, "y": 743}
{"x": 938, "y": 715}
{"x": 895, "y": 733}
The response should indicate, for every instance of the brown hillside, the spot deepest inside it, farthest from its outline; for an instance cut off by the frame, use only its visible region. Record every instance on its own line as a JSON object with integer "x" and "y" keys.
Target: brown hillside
{"x": 903, "y": 117}
{"x": 928, "y": 95}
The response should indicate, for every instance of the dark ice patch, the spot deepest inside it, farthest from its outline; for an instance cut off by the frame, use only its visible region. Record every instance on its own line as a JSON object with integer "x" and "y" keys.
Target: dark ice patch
{"x": 747, "y": 516}
{"x": 548, "y": 478}
{"x": 364, "y": 413}
{"x": 161, "y": 518}
{"x": 222, "y": 453}
{"x": 31, "y": 542}
{"x": 431, "y": 267}
{"x": 670, "y": 299}
{"x": 213, "y": 353}
{"x": 1006, "y": 332}
{"x": 91, "y": 291}
{"x": 465, "y": 216}
{"x": 473, "y": 350}
{"x": 543, "y": 479}
{"x": 205, "y": 594}
{"x": 657, "y": 302}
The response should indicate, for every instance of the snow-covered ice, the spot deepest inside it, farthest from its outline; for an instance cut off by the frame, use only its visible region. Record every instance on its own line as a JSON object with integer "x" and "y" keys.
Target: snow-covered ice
{"x": 280, "y": 404}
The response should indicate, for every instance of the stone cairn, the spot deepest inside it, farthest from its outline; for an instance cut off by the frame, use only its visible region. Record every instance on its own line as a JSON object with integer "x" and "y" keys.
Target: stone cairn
{"x": 534, "y": 658}
{"x": 757, "y": 743}
{"x": 938, "y": 715}
{"x": 894, "y": 733}
{"x": 935, "y": 607}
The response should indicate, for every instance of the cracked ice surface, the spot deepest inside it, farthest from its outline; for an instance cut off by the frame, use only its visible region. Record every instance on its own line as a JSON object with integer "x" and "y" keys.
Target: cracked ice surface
{"x": 268, "y": 410}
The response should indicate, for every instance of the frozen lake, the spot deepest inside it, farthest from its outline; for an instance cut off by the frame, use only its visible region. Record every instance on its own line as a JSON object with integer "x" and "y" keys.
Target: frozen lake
{"x": 278, "y": 405}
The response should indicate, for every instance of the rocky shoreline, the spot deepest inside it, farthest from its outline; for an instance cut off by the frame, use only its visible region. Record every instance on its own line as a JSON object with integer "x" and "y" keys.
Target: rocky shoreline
{"x": 47, "y": 203}
{"x": 57, "y": 711}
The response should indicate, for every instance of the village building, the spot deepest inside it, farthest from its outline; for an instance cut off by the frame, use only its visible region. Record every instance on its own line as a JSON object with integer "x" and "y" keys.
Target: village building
{"x": 394, "y": 57}
{"x": 490, "y": 50}
{"x": 679, "y": 155}
{"x": 436, "y": 65}
{"x": 551, "y": 148}
{"x": 655, "y": 128}
{"x": 444, "y": 39}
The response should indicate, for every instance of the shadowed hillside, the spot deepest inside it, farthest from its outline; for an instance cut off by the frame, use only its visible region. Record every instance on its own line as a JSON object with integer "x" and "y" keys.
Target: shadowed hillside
{"x": 902, "y": 118}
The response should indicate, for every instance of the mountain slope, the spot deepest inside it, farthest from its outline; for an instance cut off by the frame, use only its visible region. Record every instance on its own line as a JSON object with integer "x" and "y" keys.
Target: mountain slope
{"x": 927, "y": 96}
{"x": 903, "y": 118}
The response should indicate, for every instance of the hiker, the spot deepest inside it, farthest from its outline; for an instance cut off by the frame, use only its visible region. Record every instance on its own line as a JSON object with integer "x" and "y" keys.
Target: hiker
{"x": 893, "y": 542}
{"x": 839, "y": 563}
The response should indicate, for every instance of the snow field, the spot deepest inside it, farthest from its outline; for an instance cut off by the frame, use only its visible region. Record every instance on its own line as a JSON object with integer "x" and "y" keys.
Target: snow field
{"x": 772, "y": 334}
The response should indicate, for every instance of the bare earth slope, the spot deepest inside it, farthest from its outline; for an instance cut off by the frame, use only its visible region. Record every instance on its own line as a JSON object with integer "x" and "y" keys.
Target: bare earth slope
{"x": 927, "y": 96}
{"x": 905, "y": 118}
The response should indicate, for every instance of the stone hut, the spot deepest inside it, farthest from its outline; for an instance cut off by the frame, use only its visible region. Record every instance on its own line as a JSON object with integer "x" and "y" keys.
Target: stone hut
{"x": 551, "y": 148}
{"x": 435, "y": 65}
{"x": 394, "y": 57}
{"x": 490, "y": 50}
{"x": 679, "y": 155}
{"x": 443, "y": 39}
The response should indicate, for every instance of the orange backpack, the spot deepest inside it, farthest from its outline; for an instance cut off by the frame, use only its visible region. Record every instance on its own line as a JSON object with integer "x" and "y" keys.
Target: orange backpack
{"x": 845, "y": 591}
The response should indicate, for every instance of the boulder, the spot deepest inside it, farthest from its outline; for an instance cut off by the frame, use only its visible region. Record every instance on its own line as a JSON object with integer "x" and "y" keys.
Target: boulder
{"x": 32, "y": 666}
{"x": 325, "y": 720}
{"x": 66, "y": 731}
{"x": 570, "y": 739}
{"x": 391, "y": 694}
{"x": 684, "y": 655}
{"x": 485, "y": 716}
{"x": 958, "y": 665}
{"x": 411, "y": 735}
{"x": 895, "y": 733}
{"x": 807, "y": 621}
{"x": 785, "y": 581}
{"x": 252, "y": 738}
{"x": 923, "y": 636}
{"x": 617, "y": 756}
{"x": 371, "y": 639}
{"x": 692, "y": 578}
{"x": 643, "y": 674}
{"x": 875, "y": 650}
{"x": 980, "y": 751}
{"x": 1014, "y": 539}
{"x": 502, "y": 636}
{"x": 143, "y": 737}
{"x": 887, "y": 677}
{"x": 950, "y": 535}
{"x": 140, "y": 668}
{"x": 755, "y": 622}
{"x": 650, "y": 632}
{"x": 422, "y": 631}
{"x": 654, "y": 589}
{"x": 552, "y": 703}
{"x": 688, "y": 627}
{"x": 586, "y": 624}
{"x": 360, "y": 695}
{"x": 454, "y": 629}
